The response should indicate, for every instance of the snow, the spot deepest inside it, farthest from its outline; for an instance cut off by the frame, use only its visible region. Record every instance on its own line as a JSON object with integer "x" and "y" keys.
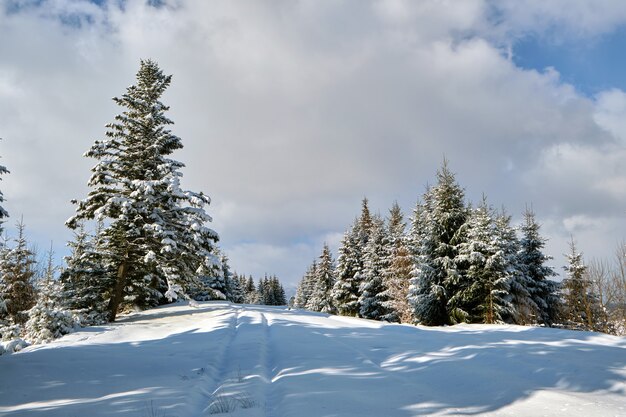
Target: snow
{"x": 243, "y": 360}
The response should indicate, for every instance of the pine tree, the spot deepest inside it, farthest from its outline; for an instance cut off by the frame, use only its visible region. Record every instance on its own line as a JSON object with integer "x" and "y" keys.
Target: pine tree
{"x": 17, "y": 271}
{"x": 3, "y": 213}
{"x": 372, "y": 298}
{"x": 521, "y": 303}
{"x": 482, "y": 292}
{"x": 582, "y": 307}
{"x": 349, "y": 273}
{"x": 345, "y": 292}
{"x": 398, "y": 273}
{"x": 542, "y": 291}
{"x": 321, "y": 296}
{"x": 85, "y": 281}
{"x": 306, "y": 286}
{"x": 48, "y": 319}
{"x": 436, "y": 275}
{"x": 252, "y": 296}
{"x": 155, "y": 239}
{"x": 235, "y": 289}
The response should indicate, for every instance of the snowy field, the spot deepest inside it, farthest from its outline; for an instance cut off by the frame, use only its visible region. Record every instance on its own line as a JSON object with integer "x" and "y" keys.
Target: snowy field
{"x": 233, "y": 360}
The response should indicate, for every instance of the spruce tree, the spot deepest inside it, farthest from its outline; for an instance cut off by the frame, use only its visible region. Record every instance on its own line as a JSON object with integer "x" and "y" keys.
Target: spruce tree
{"x": 398, "y": 272}
{"x": 48, "y": 319}
{"x": 306, "y": 286}
{"x": 155, "y": 241}
{"x": 85, "y": 281}
{"x": 17, "y": 272}
{"x": 436, "y": 276}
{"x": 582, "y": 307}
{"x": 521, "y": 303}
{"x": 373, "y": 298}
{"x": 543, "y": 291}
{"x": 345, "y": 292}
{"x": 321, "y": 296}
{"x": 3, "y": 213}
{"x": 482, "y": 291}
{"x": 349, "y": 273}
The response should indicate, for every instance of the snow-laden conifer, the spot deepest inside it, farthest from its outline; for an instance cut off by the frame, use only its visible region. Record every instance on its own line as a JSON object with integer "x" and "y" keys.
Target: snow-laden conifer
{"x": 522, "y": 304}
{"x": 543, "y": 291}
{"x": 436, "y": 275}
{"x": 482, "y": 291}
{"x": 345, "y": 292}
{"x": 155, "y": 238}
{"x": 398, "y": 272}
{"x": 321, "y": 296}
{"x": 3, "y": 213}
{"x": 306, "y": 286}
{"x": 372, "y": 292}
{"x": 85, "y": 281}
{"x": 17, "y": 272}
{"x": 48, "y": 319}
{"x": 582, "y": 307}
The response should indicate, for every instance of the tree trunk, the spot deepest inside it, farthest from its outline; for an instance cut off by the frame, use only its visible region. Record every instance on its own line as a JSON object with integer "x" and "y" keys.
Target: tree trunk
{"x": 120, "y": 283}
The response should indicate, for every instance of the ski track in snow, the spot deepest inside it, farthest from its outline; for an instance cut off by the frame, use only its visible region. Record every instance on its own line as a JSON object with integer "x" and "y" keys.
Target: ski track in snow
{"x": 256, "y": 361}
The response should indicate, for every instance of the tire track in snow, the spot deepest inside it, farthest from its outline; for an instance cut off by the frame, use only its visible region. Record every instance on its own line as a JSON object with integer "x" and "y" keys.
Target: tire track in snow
{"x": 202, "y": 391}
{"x": 241, "y": 384}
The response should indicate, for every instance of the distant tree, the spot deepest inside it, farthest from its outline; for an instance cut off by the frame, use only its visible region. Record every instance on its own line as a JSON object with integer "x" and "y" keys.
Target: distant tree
{"x": 17, "y": 272}
{"x": 3, "y": 213}
{"x": 306, "y": 286}
{"x": 543, "y": 291}
{"x": 155, "y": 240}
{"x": 236, "y": 291}
{"x": 582, "y": 306}
{"x": 321, "y": 296}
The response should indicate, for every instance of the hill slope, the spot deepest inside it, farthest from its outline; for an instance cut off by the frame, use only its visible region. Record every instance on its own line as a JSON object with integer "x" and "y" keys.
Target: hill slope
{"x": 233, "y": 360}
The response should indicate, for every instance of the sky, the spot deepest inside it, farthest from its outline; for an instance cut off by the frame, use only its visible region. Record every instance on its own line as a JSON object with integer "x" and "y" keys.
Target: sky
{"x": 292, "y": 111}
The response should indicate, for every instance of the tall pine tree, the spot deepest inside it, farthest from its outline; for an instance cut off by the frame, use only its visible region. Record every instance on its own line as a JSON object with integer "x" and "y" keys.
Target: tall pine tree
{"x": 155, "y": 240}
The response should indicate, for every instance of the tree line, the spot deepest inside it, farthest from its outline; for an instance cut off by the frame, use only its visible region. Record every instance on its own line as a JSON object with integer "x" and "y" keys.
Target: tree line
{"x": 140, "y": 239}
{"x": 459, "y": 263}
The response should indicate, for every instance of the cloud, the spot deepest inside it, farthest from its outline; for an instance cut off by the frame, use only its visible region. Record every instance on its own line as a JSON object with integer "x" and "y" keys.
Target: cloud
{"x": 291, "y": 112}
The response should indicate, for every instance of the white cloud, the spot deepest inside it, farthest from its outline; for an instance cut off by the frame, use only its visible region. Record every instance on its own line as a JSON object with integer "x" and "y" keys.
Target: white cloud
{"x": 291, "y": 112}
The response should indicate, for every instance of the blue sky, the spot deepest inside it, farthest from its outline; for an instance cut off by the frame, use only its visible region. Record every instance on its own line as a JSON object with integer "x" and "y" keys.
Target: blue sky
{"x": 292, "y": 112}
{"x": 591, "y": 65}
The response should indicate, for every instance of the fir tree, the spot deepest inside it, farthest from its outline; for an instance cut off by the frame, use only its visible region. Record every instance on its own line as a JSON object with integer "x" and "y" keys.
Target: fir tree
{"x": 155, "y": 240}
{"x": 349, "y": 273}
{"x": 373, "y": 297}
{"x": 321, "y": 296}
{"x": 306, "y": 286}
{"x": 519, "y": 298}
{"x": 436, "y": 275}
{"x": 542, "y": 291}
{"x": 85, "y": 281}
{"x": 17, "y": 271}
{"x": 48, "y": 319}
{"x": 582, "y": 307}
{"x": 235, "y": 289}
{"x": 482, "y": 293}
{"x": 3, "y": 213}
{"x": 398, "y": 272}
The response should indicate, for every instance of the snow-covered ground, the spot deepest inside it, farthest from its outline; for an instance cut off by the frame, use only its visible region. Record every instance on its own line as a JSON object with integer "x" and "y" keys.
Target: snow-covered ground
{"x": 234, "y": 360}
